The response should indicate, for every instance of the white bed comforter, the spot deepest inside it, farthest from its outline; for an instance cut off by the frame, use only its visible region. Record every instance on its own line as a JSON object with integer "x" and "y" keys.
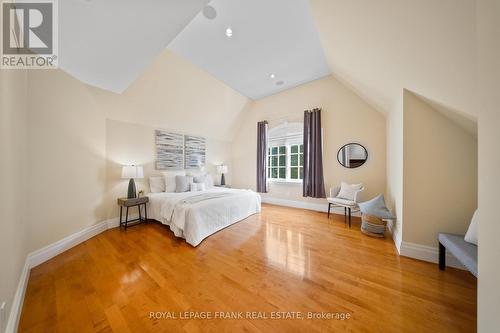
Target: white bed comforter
{"x": 197, "y": 215}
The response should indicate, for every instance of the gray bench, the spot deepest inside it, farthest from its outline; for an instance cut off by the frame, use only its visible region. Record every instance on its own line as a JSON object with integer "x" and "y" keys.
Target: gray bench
{"x": 465, "y": 252}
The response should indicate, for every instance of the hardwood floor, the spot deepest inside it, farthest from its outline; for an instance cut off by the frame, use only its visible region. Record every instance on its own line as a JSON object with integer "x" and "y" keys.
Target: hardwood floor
{"x": 283, "y": 259}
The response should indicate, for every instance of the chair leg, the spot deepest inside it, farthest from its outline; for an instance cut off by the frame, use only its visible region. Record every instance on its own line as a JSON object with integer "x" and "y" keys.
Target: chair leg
{"x": 442, "y": 257}
{"x": 329, "y": 205}
{"x": 349, "y": 217}
{"x": 345, "y": 215}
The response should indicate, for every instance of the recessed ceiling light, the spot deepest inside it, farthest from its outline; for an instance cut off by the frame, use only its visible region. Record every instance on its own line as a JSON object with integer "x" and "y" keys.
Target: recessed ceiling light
{"x": 229, "y": 32}
{"x": 209, "y": 12}
{"x": 280, "y": 82}
{"x": 272, "y": 76}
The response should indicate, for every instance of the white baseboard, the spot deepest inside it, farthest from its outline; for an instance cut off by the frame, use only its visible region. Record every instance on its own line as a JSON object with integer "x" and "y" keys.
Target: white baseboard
{"x": 305, "y": 205}
{"x": 40, "y": 256}
{"x": 428, "y": 253}
{"x": 50, "y": 251}
{"x": 17, "y": 302}
{"x": 396, "y": 237}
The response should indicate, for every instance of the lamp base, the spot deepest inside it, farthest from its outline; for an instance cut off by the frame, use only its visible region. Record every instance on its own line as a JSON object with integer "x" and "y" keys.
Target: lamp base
{"x": 131, "y": 189}
{"x": 222, "y": 180}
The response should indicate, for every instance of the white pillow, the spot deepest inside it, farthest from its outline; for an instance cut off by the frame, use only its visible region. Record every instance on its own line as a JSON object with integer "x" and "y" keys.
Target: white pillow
{"x": 205, "y": 179}
{"x": 347, "y": 191}
{"x": 201, "y": 186}
{"x": 157, "y": 184}
{"x": 170, "y": 179}
{"x": 193, "y": 187}
{"x": 182, "y": 183}
{"x": 471, "y": 235}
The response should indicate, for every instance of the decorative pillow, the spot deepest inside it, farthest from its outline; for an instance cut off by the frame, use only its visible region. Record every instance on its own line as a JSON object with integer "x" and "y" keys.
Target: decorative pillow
{"x": 348, "y": 191}
{"x": 209, "y": 181}
{"x": 201, "y": 186}
{"x": 193, "y": 187}
{"x": 182, "y": 183}
{"x": 170, "y": 179}
{"x": 157, "y": 184}
{"x": 376, "y": 207}
{"x": 471, "y": 235}
{"x": 205, "y": 179}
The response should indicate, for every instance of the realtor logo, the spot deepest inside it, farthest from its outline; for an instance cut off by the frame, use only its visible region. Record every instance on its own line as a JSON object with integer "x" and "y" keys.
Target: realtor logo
{"x": 29, "y": 34}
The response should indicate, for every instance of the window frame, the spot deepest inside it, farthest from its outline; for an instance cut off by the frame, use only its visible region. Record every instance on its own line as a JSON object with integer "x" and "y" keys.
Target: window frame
{"x": 270, "y": 156}
{"x": 288, "y": 166}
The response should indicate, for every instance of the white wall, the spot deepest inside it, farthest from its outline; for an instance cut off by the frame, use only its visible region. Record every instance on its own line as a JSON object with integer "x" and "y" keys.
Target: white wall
{"x": 488, "y": 32}
{"x": 13, "y": 167}
{"x": 345, "y": 118}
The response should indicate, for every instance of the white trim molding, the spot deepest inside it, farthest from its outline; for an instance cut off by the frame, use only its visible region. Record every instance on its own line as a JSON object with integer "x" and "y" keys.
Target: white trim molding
{"x": 305, "y": 205}
{"x": 396, "y": 237}
{"x": 428, "y": 253}
{"x": 48, "y": 252}
{"x": 17, "y": 302}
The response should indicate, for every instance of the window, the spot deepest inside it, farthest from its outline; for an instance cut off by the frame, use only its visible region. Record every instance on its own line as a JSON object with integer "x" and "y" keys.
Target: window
{"x": 276, "y": 162}
{"x": 285, "y": 163}
{"x": 297, "y": 161}
{"x": 285, "y": 154}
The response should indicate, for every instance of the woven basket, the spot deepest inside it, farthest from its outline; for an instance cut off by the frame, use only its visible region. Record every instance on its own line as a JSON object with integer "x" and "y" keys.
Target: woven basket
{"x": 373, "y": 219}
{"x": 372, "y": 226}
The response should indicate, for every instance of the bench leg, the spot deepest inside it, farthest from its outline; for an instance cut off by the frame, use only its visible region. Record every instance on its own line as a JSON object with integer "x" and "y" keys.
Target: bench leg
{"x": 442, "y": 257}
{"x": 329, "y": 205}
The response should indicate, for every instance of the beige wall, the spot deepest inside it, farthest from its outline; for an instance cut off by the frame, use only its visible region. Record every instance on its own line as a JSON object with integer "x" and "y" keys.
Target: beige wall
{"x": 488, "y": 17}
{"x": 440, "y": 174}
{"x": 13, "y": 196}
{"x": 345, "y": 118}
{"x": 128, "y": 143}
{"x": 68, "y": 131}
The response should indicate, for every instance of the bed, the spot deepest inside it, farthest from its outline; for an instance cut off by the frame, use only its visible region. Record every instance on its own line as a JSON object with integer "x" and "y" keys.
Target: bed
{"x": 196, "y": 215}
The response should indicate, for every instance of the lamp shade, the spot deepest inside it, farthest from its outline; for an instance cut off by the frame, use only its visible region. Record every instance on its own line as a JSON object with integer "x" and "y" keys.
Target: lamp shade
{"x": 222, "y": 168}
{"x": 132, "y": 171}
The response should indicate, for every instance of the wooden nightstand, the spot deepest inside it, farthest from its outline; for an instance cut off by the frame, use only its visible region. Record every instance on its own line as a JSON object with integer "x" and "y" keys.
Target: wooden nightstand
{"x": 125, "y": 202}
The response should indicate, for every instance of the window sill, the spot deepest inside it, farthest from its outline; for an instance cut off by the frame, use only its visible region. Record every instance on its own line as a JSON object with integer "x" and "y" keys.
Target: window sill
{"x": 285, "y": 182}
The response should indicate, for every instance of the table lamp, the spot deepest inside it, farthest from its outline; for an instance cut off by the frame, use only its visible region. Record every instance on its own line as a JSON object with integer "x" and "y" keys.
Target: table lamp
{"x": 132, "y": 172}
{"x": 222, "y": 169}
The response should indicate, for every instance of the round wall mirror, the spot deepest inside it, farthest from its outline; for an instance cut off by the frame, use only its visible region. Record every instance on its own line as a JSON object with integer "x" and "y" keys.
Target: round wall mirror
{"x": 352, "y": 155}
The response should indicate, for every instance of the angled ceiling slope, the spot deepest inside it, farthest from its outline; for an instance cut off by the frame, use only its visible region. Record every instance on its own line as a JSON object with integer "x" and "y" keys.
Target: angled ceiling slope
{"x": 379, "y": 48}
{"x": 268, "y": 37}
{"x": 107, "y": 44}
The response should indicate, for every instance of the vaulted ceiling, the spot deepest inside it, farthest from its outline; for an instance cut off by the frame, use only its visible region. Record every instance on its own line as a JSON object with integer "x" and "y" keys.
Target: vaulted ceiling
{"x": 380, "y": 47}
{"x": 108, "y": 43}
{"x": 377, "y": 48}
{"x": 273, "y": 45}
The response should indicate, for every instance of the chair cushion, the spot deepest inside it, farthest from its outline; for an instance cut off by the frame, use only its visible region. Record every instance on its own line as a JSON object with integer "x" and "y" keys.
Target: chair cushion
{"x": 341, "y": 202}
{"x": 348, "y": 191}
{"x": 465, "y": 252}
{"x": 376, "y": 207}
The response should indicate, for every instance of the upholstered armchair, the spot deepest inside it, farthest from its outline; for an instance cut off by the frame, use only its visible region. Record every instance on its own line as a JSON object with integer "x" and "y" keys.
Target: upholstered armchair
{"x": 346, "y": 196}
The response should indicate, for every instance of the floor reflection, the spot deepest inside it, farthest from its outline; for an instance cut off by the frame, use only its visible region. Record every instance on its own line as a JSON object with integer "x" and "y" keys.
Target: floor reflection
{"x": 286, "y": 249}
